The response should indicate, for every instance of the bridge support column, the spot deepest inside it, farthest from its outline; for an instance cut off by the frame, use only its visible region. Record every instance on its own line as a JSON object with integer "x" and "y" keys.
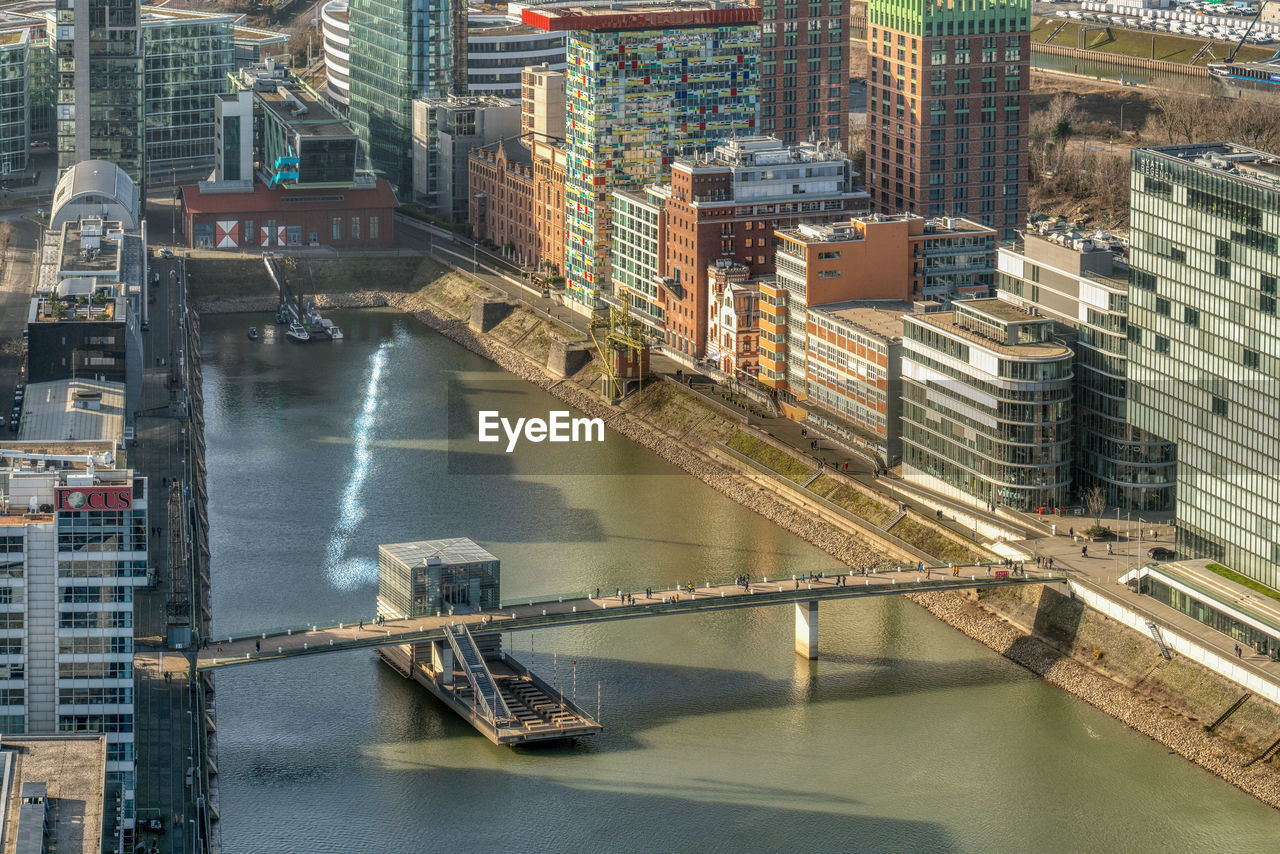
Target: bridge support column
{"x": 442, "y": 661}
{"x": 807, "y": 629}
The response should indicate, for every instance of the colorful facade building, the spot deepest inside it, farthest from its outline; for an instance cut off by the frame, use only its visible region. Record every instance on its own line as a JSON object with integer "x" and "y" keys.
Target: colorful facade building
{"x": 643, "y": 83}
{"x": 947, "y": 110}
{"x": 804, "y": 70}
{"x": 986, "y": 405}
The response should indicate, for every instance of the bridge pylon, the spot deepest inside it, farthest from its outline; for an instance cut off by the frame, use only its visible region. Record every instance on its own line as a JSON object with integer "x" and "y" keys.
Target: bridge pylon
{"x": 807, "y": 629}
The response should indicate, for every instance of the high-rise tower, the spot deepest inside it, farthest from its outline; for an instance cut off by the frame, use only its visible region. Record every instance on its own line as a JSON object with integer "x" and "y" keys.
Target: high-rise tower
{"x": 804, "y": 70}
{"x": 947, "y": 109}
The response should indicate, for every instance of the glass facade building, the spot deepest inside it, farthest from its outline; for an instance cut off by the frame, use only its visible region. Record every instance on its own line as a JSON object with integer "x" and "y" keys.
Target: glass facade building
{"x": 188, "y": 57}
{"x": 1083, "y": 286}
{"x": 401, "y": 50}
{"x": 97, "y": 47}
{"x": 638, "y": 92}
{"x": 15, "y": 138}
{"x": 986, "y": 405}
{"x": 638, "y": 221}
{"x": 1204, "y": 342}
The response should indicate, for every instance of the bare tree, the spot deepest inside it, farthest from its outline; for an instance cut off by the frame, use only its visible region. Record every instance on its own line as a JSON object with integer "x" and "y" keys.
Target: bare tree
{"x": 1095, "y": 501}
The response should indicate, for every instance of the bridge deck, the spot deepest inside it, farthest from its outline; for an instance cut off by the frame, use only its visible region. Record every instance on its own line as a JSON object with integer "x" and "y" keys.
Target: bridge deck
{"x": 255, "y": 648}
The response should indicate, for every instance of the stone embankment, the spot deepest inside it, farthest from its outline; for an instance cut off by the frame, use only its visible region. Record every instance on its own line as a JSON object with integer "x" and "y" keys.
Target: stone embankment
{"x": 1144, "y": 714}
{"x": 247, "y": 305}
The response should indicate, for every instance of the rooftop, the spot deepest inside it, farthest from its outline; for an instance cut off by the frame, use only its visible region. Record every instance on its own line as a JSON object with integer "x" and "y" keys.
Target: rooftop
{"x": 302, "y": 111}
{"x": 641, "y": 16}
{"x": 73, "y": 769}
{"x": 12, "y": 37}
{"x": 263, "y": 199}
{"x": 453, "y": 551}
{"x": 91, "y": 246}
{"x": 70, "y": 410}
{"x": 848, "y": 230}
{"x": 161, "y": 14}
{"x": 945, "y": 321}
{"x": 763, "y": 151}
{"x": 1250, "y": 164}
{"x": 882, "y": 318}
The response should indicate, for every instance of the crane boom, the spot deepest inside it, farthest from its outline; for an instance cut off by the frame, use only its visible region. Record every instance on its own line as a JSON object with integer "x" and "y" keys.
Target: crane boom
{"x": 1262, "y": 4}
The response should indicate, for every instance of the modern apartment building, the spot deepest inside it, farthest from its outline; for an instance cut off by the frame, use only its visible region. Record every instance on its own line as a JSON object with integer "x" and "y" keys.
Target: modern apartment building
{"x": 542, "y": 104}
{"x": 986, "y": 405}
{"x": 98, "y": 51}
{"x": 947, "y": 111}
{"x": 1204, "y": 344}
{"x": 73, "y": 547}
{"x": 401, "y": 50}
{"x": 335, "y": 23}
{"x": 905, "y": 258}
{"x": 444, "y": 132}
{"x": 188, "y": 57}
{"x": 1082, "y": 284}
{"x": 644, "y": 83}
{"x": 804, "y": 70}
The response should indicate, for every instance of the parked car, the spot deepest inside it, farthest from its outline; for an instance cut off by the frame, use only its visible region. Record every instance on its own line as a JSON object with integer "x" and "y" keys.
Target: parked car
{"x": 1160, "y": 553}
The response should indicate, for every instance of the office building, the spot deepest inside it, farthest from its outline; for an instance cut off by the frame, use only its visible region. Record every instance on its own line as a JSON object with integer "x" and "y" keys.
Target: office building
{"x": 947, "y": 111}
{"x": 804, "y": 70}
{"x": 98, "y": 48}
{"x": 309, "y": 189}
{"x": 188, "y": 56}
{"x": 517, "y": 193}
{"x": 903, "y": 258}
{"x": 986, "y": 405}
{"x": 401, "y": 50}
{"x": 643, "y": 83}
{"x": 499, "y": 50}
{"x": 74, "y": 537}
{"x": 1204, "y": 348}
{"x": 436, "y": 576}
{"x": 444, "y": 132}
{"x": 56, "y": 796}
{"x": 727, "y": 204}
{"x": 15, "y": 100}
{"x": 1081, "y": 282}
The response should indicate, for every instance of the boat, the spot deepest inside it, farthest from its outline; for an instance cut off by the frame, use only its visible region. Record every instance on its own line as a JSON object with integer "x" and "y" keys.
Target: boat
{"x": 297, "y": 332}
{"x": 283, "y": 316}
{"x": 335, "y": 331}
{"x": 253, "y": 333}
{"x": 1256, "y": 80}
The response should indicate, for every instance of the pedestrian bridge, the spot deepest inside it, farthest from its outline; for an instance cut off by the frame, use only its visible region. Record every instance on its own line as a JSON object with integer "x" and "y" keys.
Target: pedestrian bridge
{"x": 299, "y": 641}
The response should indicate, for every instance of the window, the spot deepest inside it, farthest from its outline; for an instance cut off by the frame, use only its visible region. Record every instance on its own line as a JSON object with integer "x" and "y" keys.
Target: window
{"x": 1268, "y": 285}
{"x": 1249, "y": 358}
{"x": 1162, "y": 306}
{"x": 355, "y": 228}
{"x": 1222, "y": 268}
{"x": 1219, "y": 406}
{"x": 1162, "y": 344}
{"x": 374, "y": 227}
{"x": 828, "y": 274}
{"x": 1191, "y": 317}
{"x": 337, "y": 228}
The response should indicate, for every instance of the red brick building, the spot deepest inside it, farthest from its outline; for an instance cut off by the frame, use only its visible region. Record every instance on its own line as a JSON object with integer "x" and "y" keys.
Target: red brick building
{"x": 347, "y": 217}
{"x": 804, "y": 70}
{"x": 729, "y": 205}
{"x": 517, "y": 199}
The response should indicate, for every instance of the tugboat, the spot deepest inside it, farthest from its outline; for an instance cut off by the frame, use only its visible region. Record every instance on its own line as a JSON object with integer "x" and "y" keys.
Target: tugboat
{"x": 253, "y": 333}
{"x": 335, "y": 331}
{"x": 297, "y": 332}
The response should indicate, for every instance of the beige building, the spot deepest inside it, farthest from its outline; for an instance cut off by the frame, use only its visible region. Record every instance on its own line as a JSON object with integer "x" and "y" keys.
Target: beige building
{"x": 542, "y": 104}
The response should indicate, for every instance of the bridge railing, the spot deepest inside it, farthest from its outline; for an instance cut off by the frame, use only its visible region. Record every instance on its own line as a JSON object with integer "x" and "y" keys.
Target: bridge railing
{"x": 608, "y": 596}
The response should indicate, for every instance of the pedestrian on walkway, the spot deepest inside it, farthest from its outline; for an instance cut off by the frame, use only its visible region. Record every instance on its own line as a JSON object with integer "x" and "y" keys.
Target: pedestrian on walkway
{"x": 1084, "y": 551}
{"x": 219, "y": 646}
{"x": 1109, "y": 549}
{"x": 804, "y": 432}
{"x": 597, "y": 592}
{"x": 362, "y": 624}
{"x": 257, "y": 646}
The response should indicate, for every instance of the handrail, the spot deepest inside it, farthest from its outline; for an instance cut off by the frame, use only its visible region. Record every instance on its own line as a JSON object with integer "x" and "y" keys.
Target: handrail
{"x": 457, "y": 634}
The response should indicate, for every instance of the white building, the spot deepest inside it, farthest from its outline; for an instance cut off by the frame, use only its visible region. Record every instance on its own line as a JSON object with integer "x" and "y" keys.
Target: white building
{"x": 499, "y": 48}
{"x": 73, "y": 547}
{"x": 335, "y": 24}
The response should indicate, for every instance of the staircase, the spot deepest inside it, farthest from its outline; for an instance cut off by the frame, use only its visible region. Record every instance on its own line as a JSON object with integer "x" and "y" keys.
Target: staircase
{"x": 894, "y": 519}
{"x": 286, "y": 169}
{"x": 1159, "y": 639}
{"x": 484, "y": 688}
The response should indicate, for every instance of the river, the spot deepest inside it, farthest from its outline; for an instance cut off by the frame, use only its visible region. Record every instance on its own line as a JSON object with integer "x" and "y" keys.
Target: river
{"x": 905, "y": 736}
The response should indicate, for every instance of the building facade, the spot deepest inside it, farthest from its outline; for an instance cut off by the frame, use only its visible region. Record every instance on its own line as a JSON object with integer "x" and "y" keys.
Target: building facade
{"x": 69, "y": 570}
{"x": 947, "y": 110}
{"x": 15, "y": 100}
{"x": 401, "y": 50}
{"x": 905, "y": 258}
{"x": 97, "y": 46}
{"x": 444, "y": 132}
{"x": 643, "y": 83}
{"x": 499, "y": 50}
{"x": 804, "y": 70}
{"x": 517, "y": 195}
{"x": 733, "y": 318}
{"x": 1204, "y": 344}
{"x": 1083, "y": 286}
{"x": 335, "y": 23}
{"x": 542, "y": 104}
{"x": 986, "y": 405}
{"x": 188, "y": 56}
